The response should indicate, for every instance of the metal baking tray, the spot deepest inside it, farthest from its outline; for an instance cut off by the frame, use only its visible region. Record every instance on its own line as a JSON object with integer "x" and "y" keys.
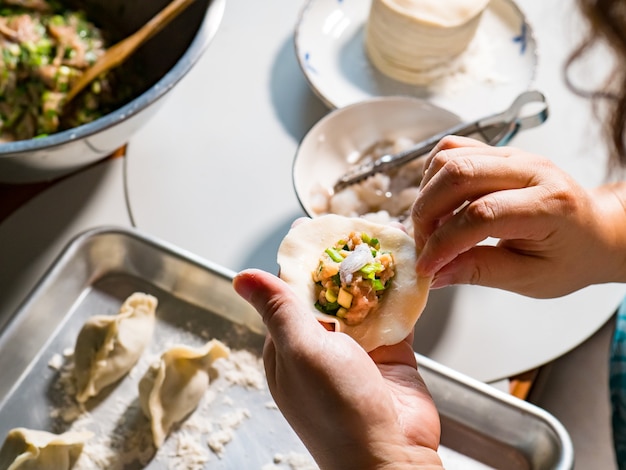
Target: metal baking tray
{"x": 481, "y": 426}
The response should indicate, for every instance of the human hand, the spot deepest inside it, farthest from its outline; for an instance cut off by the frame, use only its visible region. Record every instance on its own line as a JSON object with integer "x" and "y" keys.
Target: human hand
{"x": 554, "y": 236}
{"x": 351, "y": 409}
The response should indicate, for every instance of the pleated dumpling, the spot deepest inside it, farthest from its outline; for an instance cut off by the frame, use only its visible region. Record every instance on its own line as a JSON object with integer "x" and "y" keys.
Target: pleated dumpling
{"x": 108, "y": 346}
{"x": 27, "y": 449}
{"x": 357, "y": 275}
{"x": 173, "y": 386}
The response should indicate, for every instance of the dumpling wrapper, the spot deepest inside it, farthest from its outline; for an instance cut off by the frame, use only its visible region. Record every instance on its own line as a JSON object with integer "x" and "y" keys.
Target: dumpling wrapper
{"x": 401, "y": 304}
{"x": 32, "y": 449}
{"x": 450, "y": 13}
{"x": 442, "y": 29}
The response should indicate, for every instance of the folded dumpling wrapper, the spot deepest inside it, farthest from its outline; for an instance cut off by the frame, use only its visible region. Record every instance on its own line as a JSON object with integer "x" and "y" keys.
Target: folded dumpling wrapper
{"x": 108, "y": 346}
{"x": 173, "y": 386}
{"x": 401, "y": 304}
{"x": 28, "y": 449}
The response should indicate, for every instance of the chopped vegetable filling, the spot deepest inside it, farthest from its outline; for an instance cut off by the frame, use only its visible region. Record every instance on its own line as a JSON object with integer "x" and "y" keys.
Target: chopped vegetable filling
{"x": 351, "y": 277}
{"x": 44, "y": 48}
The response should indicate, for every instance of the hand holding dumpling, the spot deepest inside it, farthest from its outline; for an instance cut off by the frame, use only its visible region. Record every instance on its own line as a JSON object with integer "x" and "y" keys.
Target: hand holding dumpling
{"x": 351, "y": 409}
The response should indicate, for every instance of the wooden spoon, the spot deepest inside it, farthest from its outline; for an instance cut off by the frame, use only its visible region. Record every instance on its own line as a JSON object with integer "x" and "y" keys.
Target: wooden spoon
{"x": 117, "y": 53}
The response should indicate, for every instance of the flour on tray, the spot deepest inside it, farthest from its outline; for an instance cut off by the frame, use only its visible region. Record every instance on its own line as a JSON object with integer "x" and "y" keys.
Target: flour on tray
{"x": 122, "y": 433}
{"x": 292, "y": 461}
{"x": 244, "y": 369}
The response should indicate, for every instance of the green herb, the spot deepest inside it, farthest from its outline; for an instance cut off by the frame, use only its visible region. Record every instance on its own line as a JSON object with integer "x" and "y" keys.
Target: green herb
{"x": 334, "y": 255}
{"x": 330, "y": 308}
{"x": 370, "y": 270}
{"x": 378, "y": 285}
{"x": 45, "y": 63}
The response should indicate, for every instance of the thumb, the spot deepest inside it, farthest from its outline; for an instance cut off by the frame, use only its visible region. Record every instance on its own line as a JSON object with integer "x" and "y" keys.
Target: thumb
{"x": 285, "y": 316}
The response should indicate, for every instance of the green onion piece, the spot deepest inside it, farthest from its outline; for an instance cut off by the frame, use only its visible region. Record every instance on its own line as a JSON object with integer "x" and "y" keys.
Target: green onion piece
{"x": 378, "y": 285}
{"x": 334, "y": 255}
{"x": 370, "y": 270}
{"x": 57, "y": 20}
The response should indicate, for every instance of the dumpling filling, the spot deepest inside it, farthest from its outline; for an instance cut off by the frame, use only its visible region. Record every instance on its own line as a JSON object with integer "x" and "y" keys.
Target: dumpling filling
{"x": 351, "y": 277}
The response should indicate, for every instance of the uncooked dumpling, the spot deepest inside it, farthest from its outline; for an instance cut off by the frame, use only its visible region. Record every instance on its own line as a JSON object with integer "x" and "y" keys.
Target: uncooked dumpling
{"x": 172, "y": 388}
{"x": 108, "y": 346}
{"x": 337, "y": 264}
{"x": 27, "y": 449}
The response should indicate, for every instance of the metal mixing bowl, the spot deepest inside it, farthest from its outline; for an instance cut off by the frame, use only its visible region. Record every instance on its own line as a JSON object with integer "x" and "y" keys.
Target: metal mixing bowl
{"x": 165, "y": 59}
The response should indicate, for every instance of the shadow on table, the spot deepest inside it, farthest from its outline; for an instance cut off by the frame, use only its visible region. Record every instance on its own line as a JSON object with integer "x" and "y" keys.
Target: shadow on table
{"x": 296, "y": 106}
{"x": 433, "y": 320}
{"x": 263, "y": 254}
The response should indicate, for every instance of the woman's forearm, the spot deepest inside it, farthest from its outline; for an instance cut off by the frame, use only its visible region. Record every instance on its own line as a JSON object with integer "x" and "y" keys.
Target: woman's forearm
{"x": 610, "y": 200}
{"x": 554, "y": 236}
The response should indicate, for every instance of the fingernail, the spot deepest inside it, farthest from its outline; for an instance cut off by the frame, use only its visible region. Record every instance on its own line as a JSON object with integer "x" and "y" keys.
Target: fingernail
{"x": 244, "y": 285}
{"x": 427, "y": 266}
{"x": 421, "y": 270}
{"x": 441, "y": 280}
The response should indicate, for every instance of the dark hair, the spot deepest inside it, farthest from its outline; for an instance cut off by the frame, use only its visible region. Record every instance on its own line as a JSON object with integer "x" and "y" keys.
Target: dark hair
{"x": 607, "y": 24}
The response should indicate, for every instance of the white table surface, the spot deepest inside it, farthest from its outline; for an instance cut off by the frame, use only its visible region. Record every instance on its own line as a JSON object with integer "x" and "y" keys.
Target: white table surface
{"x": 212, "y": 174}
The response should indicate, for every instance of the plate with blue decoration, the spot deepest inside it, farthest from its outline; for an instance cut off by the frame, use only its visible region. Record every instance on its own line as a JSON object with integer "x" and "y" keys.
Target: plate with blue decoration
{"x": 499, "y": 63}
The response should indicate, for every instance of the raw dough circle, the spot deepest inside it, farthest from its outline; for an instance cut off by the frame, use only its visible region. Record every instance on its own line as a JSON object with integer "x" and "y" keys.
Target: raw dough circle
{"x": 401, "y": 305}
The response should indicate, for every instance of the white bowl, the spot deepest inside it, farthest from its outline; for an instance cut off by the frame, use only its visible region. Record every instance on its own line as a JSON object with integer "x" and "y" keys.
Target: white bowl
{"x": 166, "y": 58}
{"x": 326, "y": 151}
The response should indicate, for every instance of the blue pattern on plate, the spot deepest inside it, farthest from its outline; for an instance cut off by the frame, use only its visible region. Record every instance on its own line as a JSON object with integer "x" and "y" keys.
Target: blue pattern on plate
{"x": 617, "y": 384}
{"x": 307, "y": 62}
{"x": 522, "y": 38}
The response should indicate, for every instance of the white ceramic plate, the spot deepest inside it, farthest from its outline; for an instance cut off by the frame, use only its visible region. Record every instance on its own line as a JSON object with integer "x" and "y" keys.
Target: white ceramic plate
{"x": 501, "y": 60}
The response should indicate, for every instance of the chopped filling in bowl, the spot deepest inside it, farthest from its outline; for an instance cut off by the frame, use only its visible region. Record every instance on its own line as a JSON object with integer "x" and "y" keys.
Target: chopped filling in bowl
{"x": 351, "y": 277}
{"x": 381, "y": 198}
{"x": 44, "y": 48}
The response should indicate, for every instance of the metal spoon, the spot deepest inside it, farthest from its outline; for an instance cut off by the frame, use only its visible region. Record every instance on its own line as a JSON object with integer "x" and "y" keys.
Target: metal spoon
{"x": 497, "y": 129}
{"x": 117, "y": 53}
